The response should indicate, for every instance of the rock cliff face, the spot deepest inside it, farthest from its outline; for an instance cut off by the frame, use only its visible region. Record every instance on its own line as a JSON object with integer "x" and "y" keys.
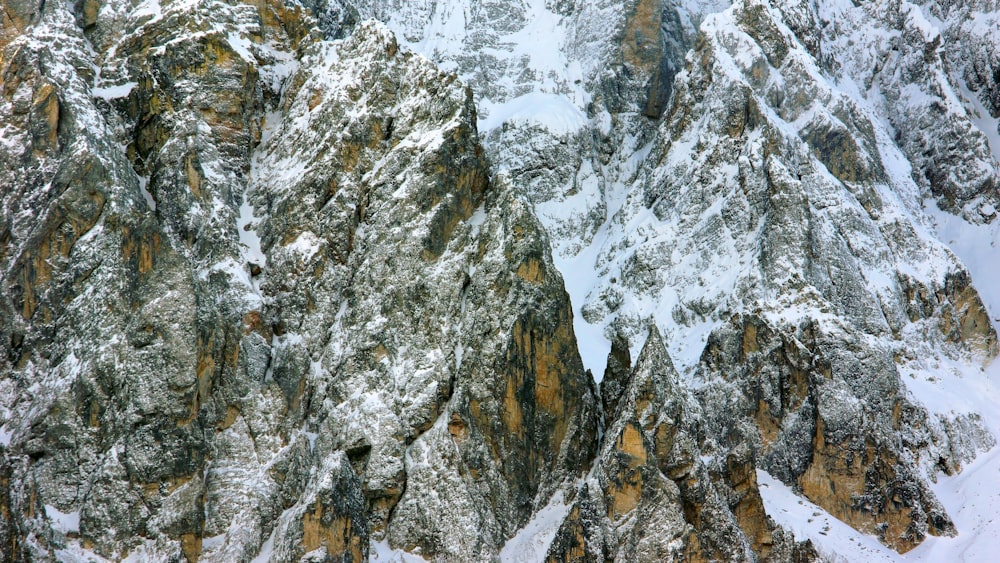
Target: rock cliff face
{"x": 464, "y": 280}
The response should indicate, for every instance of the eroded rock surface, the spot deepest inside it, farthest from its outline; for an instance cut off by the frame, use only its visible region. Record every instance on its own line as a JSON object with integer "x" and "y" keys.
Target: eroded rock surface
{"x": 284, "y": 283}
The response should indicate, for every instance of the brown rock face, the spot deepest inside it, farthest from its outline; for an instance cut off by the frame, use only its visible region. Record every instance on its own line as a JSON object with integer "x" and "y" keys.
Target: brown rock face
{"x": 624, "y": 490}
{"x": 965, "y": 319}
{"x": 452, "y": 336}
{"x": 134, "y": 375}
{"x": 816, "y": 432}
{"x": 654, "y": 496}
{"x": 262, "y": 295}
{"x": 540, "y": 396}
{"x": 335, "y": 533}
{"x": 740, "y": 477}
{"x": 644, "y": 54}
{"x": 655, "y": 484}
{"x": 866, "y": 486}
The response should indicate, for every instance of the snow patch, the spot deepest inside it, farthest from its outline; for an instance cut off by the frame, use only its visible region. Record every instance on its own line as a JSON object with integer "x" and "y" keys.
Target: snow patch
{"x": 978, "y": 247}
{"x": 65, "y": 522}
{"x": 381, "y": 552}
{"x": 971, "y": 499}
{"x": 305, "y": 245}
{"x": 213, "y": 542}
{"x": 267, "y": 549}
{"x": 807, "y": 521}
{"x": 146, "y": 195}
{"x": 5, "y": 435}
{"x": 580, "y": 279}
{"x": 246, "y": 224}
{"x": 981, "y": 118}
{"x": 75, "y": 553}
{"x": 242, "y": 46}
{"x": 553, "y": 112}
{"x": 532, "y": 542}
{"x": 114, "y": 92}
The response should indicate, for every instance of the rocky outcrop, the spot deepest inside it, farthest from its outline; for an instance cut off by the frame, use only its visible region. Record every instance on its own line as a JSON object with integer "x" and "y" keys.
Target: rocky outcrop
{"x": 828, "y": 418}
{"x": 420, "y": 359}
{"x": 125, "y": 334}
{"x": 215, "y": 418}
{"x": 914, "y": 80}
{"x": 767, "y": 198}
{"x": 655, "y": 494}
{"x": 659, "y": 495}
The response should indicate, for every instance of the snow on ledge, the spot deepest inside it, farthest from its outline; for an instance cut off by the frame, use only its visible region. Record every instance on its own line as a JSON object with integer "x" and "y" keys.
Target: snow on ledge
{"x": 832, "y": 538}
{"x": 381, "y": 552}
{"x": 970, "y": 498}
{"x": 532, "y": 542}
{"x": 62, "y": 521}
{"x": 114, "y": 92}
{"x": 553, "y": 112}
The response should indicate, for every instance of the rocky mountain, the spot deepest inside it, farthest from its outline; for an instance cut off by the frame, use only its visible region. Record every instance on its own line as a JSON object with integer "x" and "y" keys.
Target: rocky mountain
{"x": 466, "y": 280}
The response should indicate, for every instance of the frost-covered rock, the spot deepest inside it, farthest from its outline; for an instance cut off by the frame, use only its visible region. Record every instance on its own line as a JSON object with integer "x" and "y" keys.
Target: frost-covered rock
{"x": 283, "y": 283}
{"x": 773, "y": 190}
{"x": 427, "y": 328}
{"x": 200, "y": 405}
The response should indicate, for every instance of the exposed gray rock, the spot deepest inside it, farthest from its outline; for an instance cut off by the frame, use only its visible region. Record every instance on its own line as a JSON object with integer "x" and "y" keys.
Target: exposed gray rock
{"x": 268, "y": 295}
